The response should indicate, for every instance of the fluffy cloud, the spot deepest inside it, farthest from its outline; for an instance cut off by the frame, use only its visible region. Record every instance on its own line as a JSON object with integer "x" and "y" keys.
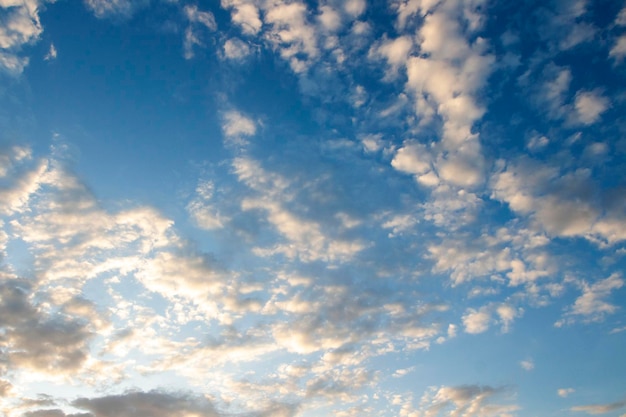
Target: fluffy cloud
{"x": 292, "y": 34}
{"x": 444, "y": 81}
{"x": 244, "y": 13}
{"x": 476, "y": 321}
{"x": 237, "y": 126}
{"x": 236, "y": 49}
{"x": 36, "y": 340}
{"x": 20, "y": 26}
{"x": 592, "y": 304}
{"x": 589, "y": 106}
{"x": 561, "y": 202}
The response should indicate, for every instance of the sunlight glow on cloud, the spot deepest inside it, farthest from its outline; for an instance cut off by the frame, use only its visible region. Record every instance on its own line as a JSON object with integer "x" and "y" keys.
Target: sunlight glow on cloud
{"x": 406, "y": 208}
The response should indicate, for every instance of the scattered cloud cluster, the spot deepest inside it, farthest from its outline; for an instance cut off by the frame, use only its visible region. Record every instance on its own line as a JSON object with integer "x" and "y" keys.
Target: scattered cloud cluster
{"x": 20, "y": 27}
{"x": 450, "y": 180}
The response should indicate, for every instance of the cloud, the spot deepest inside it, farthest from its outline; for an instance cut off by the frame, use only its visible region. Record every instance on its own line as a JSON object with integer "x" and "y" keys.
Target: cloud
{"x": 527, "y": 365}
{"x": 236, "y": 49}
{"x": 152, "y": 403}
{"x": 354, "y": 8}
{"x": 589, "y": 106}
{"x": 618, "y": 51}
{"x": 394, "y": 51}
{"x": 306, "y": 239}
{"x": 198, "y": 21}
{"x": 444, "y": 81}
{"x": 564, "y": 204}
{"x": 52, "y": 53}
{"x": 115, "y": 8}
{"x": 245, "y": 14}
{"x": 599, "y": 408}
{"x": 20, "y": 26}
{"x": 476, "y": 321}
{"x": 465, "y": 401}
{"x": 565, "y": 392}
{"x": 292, "y": 34}
{"x": 203, "y": 211}
{"x": 34, "y": 340}
{"x": 592, "y": 306}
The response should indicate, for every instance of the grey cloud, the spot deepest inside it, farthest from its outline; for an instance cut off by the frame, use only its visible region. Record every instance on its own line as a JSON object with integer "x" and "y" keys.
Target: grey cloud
{"x": 54, "y": 413}
{"x": 566, "y": 203}
{"x": 35, "y": 340}
{"x": 147, "y": 404}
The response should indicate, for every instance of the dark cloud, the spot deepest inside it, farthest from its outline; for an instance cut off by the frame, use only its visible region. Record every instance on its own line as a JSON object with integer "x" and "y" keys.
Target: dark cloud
{"x": 34, "y": 339}
{"x": 147, "y": 404}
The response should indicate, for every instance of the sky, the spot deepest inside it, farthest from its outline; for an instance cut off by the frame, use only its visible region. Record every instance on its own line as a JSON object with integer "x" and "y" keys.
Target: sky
{"x": 393, "y": 208}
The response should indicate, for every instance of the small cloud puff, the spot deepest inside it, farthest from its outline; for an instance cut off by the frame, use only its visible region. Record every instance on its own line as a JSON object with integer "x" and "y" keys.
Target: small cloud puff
{"x": 589, "y": 105}
{"x": 235, "y": 125}
{"x": 476, "y": 321}
{"x": 113, "y": 8}
{"x": 52, "y": 53}
{"x": 564, "y": 392}
{"x": 527, "y": 365}
{"x": 236, "y": 49}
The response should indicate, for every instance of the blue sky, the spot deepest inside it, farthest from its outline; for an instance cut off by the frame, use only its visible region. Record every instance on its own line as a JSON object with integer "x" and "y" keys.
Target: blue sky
{"x": 408, "y": 208}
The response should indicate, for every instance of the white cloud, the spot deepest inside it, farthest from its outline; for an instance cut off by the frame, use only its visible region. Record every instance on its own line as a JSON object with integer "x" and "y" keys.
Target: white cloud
{"x": 412, "y": 158}
{"x": 236, "y": 126}
{"x": 537, "y": 142}
{"x": 507, "y": 314}
{"x": 12, "y": 64}
{"x": 244, "y": 13}
{"x": 558, "y": 201}
{"x": 592, "y": 304}
{"x": 306, "y": 239}
{"x": 618, "y": 51}
{"x": 600, "y": 408}
{"x": 465, "y": 401}
{"x": 589, "y": 106}
{"x": 477, "y": 321}
{"x": 197, "y": 20}
{"x": 292, "y": 34}
{"x": 329, "y": 18}
{"x": 444, "y": 81}
{"x": 14, "y": 199}
{"x": 527, "y": 365}
{"x": 236, "y": 49}
{"x": 394, "y": 51}
{"x": 565, "y": 392}
{"x": 114, "y": 8}
{"x": 203, "y": 211}
{"x": 620, "y": 19}
{"x": 20, "y": 26}
{"x": 52, "y": 53}
{"x": 355, "y": 8}
{"x": 553, "y": 93}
